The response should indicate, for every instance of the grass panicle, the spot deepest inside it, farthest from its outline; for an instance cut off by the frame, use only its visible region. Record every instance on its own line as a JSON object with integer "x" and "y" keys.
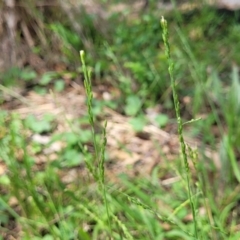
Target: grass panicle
{"x": 99, "y": 147}
{"x": 179, "y": 119}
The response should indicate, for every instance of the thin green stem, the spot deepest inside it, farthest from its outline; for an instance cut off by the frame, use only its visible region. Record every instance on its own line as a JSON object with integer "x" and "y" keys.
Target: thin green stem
{"x": 179, "y": 119}
{"x": 88, "y": 87}
{"x": 102, "y": 172}
{"x": 99, "y": 174}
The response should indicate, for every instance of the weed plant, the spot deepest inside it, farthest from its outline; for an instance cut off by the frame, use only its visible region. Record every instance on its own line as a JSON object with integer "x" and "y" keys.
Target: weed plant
{"x": 203, "y": 204}
{"x": 99, "y": 172}
{"x": 179, "y": 120}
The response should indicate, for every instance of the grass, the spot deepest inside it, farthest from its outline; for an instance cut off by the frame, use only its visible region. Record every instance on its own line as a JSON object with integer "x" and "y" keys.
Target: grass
{"x": 201, "y": 202}
{"x": 179, "y": 120}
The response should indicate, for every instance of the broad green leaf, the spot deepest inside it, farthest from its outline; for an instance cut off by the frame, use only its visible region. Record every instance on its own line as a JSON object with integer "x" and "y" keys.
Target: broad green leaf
{"x": 133, "y": 105}
{"x": 161, "y": 120}
{"x": 138, "y": 123}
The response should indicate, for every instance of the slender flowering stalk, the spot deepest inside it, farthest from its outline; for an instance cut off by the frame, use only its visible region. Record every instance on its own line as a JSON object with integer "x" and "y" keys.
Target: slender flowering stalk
{"x": 99, "y": 148}
{"x": 179, "y": 119}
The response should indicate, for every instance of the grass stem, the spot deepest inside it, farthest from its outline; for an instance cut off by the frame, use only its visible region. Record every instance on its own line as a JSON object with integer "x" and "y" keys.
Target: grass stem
{"x": 179, "y": 120}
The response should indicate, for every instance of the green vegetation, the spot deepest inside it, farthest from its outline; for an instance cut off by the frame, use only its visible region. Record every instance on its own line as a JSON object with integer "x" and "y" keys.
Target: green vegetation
{"x": 188, "y": 67}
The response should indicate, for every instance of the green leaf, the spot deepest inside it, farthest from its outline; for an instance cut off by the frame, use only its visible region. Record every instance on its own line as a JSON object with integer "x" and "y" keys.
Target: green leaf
{"x": 72, "y": 158}
{"x": 138, "y": 123}
{"x": 59, "y": 85}
{"x": 71, "y": 138}
{"x": 48, "y": 237}
{"x": 48, "y": 117}
{"x": 38, "y": 126}
{"x": 28, "y": 74}
{"x": 4, "y": 180}
{"x": 40, "y": 90}
{"x": 83, "y": 235}
{"x": 47, "y": 78}
{"x": 10, "y": 77}
{"x": 161, "y": 120}
{"x": 85, "y": 136}
{"x": 133, "y": 105}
